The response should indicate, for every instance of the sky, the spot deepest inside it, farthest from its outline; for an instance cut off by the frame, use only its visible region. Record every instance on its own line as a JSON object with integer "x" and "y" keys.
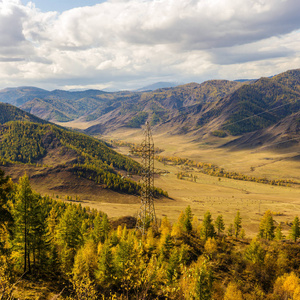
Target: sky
{"x": 128, "y": 44}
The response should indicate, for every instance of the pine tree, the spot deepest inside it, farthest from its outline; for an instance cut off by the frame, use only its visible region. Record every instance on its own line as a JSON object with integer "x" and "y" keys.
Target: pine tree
{"x": 22, "y": 214}
{"x": 165, "y": 227}
{"x": 69, "y": 236}
{"x": 40, "y": 245}
{"x": 106, "y": 268}
{"x": 295, "y": 229}
{"x": 188, "y": 220}
{"x": 219, "y": 223}
{"x": 31, "y": 237}
{"x": 266, "y": 227}
{"x": 105, "y": 227}
{"x": 207, "y": 229}
{"x": 237, "y": 224}
{"x": 85, "y": 261}
{"x": 203, "y": 285}
{"x": 52, "y": 222}
{"x": 69, "y": 228}
{"x": 173, "y": 266}
{"x": 255, "y": 252}
{"x": 166, "y": 245}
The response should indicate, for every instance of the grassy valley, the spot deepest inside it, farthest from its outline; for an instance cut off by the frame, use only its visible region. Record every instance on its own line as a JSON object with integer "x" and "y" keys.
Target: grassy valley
{"x": 219, "y": 194}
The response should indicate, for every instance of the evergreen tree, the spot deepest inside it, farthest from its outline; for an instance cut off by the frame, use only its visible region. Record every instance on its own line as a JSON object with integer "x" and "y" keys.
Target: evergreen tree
{"x": 173, "y": 266}
{"x": 106, "y": 268}
{"x": 69, "y": 228}
{"x": 165, "y": 227}
{"x": 237, "y": 224}
{"x": 40, "y": 245}
{"x": 187, "y": 224}
{"x": 166, "y": 246}
{"x": 85, "y": 261}
{"x": 278, "y": 233}
{"x": 105, "y": 227}
{"x": 219, "y": 224}
{"x": 6, "y": 219}
{"x": 254, "y": 252}
{"x": 30, "y": 229}
{"x": 52, "y": 222}
{"x": 295, "y": 229}
{"x": 204, "y": 281}
{"x": 207, "y": 229}
{"x": 69, "y": 236}
{"x": 267, "y": 227}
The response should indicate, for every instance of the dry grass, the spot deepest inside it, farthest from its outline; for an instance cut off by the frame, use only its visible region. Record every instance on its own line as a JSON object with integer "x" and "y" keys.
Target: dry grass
{"x": 219, "y": 197}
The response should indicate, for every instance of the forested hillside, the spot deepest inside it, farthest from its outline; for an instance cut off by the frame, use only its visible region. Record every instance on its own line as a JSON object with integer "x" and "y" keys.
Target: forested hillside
{"x": 283, "y": 134}
{"x": 29, "y": 143}
{"x": 269, "y": 99}
{"x": 11, "y": 113}
{"x": 53, "y": 250}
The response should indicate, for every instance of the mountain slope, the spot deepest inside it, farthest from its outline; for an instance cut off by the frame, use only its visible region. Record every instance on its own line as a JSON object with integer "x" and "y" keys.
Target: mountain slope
{"x": 50, "y": 154}
{"x": 251, "y": 107}
{"x": 11, "y": 113}
{"x": 269, "y": 99}
{"x": 162, "y": 105}
{"x": 21, "y": 95}
{"x": 283, "y": 134}
{"x": 62, "y": 106}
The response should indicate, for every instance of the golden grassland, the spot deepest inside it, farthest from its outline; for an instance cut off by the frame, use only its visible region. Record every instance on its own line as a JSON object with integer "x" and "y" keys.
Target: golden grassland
{"x": 219, "y": 196}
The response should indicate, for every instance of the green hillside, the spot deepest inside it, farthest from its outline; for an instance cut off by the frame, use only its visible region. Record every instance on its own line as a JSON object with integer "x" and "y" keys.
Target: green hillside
{"x": 11, "y": 113}
{"x": 263, "y": 103}
{"x": 25, "y": 142}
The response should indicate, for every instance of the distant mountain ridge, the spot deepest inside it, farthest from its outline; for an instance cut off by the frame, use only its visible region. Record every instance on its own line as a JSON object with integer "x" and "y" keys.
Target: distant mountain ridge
{"x": 157, "y": 85}
{"x": 64, "y": 106}
{"x": 233, "y": 107}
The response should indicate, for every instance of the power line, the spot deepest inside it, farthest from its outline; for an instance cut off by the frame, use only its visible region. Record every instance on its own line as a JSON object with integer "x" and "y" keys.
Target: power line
{"x": 146, "y": 215}
{"x": 255, "y": 115}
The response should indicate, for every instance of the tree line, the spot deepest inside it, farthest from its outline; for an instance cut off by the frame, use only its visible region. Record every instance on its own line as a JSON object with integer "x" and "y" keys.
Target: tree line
{"x": 214, "y": 170}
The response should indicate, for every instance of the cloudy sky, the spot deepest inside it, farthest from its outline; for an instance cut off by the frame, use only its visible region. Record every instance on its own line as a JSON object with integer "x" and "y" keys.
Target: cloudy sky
{"x": 126, "y": 44}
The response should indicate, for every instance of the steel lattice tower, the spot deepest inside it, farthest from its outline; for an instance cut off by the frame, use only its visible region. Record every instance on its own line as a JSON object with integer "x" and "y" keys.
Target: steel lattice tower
{"x": 146, "y": 216}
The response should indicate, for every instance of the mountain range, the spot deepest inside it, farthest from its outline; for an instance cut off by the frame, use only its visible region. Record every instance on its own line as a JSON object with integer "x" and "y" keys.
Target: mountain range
{"x": 214, "y": 107}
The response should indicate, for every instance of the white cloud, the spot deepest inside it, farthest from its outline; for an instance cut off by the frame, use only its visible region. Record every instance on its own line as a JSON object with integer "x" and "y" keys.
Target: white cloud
{"x": 123, "y": 42}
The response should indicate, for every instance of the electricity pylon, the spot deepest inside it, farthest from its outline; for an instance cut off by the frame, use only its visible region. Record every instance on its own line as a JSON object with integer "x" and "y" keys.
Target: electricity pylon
{"x": 146, "y": 216}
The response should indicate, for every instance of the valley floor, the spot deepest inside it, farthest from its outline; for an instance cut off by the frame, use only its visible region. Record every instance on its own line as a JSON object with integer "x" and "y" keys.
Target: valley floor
{"x": 219, "y": 196}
